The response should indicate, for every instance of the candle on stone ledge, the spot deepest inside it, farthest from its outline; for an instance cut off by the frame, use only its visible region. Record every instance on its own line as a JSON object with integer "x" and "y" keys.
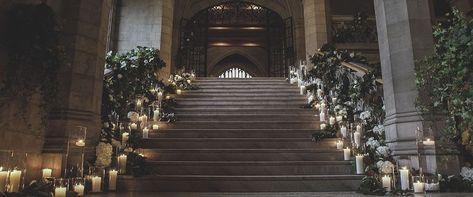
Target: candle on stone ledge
{"x": 317, "y": 106}
{"x": 358, "y": 128}
{"x": 134, "y": 126}
{"x": 14, "y": 180}
{"x": 156, "y": 114}
{"x": 80, "y": 143}
{"x": 47, "y": 172}
{"x": 322, "y": 116}
{"x": 404, "y": 176}
{"x": 346, "y": 154}
{"x": 360, "y": 167}
{"x": 178, "y": 91}
{"x": 323, "y": 126}
{"x": 357, "y": 138}
{"x": 3, "y": 179}
{"x": 428, "y": 142}
{"x": 96, "y": 184}
{"x": 125, "y": 137}
{"x": 122, "y": 159}
{"x": 319, "y": 92}
{"x": 155, "y": 127}
{"x": 139, "y": 103}
{"x": 339, "y": 145}
{"x": 145, "y": 133}
{"x": 60, "y": 191}
{"x": 386, "y": 180}
{"x": 112, "y": 180}
{"x": 160, "y": 95}
{"x": 79, "y": 189}
{"x": 418, "y": 187}
{"x": 339, "y": 118}
{"x": 334, "y": 100}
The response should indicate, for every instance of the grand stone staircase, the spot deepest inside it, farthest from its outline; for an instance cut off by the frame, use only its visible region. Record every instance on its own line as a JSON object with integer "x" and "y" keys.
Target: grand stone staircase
{"x": 242, "y": 135}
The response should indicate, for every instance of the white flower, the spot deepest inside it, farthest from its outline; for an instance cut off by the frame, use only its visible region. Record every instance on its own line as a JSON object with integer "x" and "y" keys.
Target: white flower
{"x": 383, "y": 151}
{"x": 379, "y": 129}
{"x": 372, "y": 143}
{"x": 310, "y": 99}
{"x": 103, "y": 151}
{"x": 365, "y": 115}
{"x": 133, "y": 116}
{"x": 120, "y": 76}
{"x": 467, "y": 173}
{"x": 106, "y": 125}
{"x": 385, "y": 167}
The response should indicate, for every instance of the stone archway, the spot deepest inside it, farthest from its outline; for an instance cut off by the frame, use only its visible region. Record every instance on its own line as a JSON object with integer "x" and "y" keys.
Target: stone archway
{"x": 236, "y": 61}
{"x": 253, "y": 55}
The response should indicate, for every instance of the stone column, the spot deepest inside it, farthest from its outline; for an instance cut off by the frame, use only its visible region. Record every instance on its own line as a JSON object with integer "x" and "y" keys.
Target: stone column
{"x": 167, "y": 38}
{"x": 405, "y": 35}
{"x": 317, "y": 27}
{"x": 80, "y": 80}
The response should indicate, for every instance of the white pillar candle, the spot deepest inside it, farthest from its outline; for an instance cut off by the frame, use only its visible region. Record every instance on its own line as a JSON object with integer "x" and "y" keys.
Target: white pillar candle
{"x": 418, "y": 187}
{"x": 428, "y": 142}
{"x": 319, "y": 92}
{"x": 144, "y": 119}
{"x": 360, "y": 166}
{"x": 134, "y": 126}
{"x": 145, "y": 133}
{"x": 303, "y": 89}
{"x": 334, "y": 100}
{"x": 404, "y": 175}
{"x": 317, "y": 106}
{"x": 358, "y": 128}
{"x": 160, "y": 95}
{"x": 386, "y": 182}
{"x": 339, "y": 145}
{"x": 189, "y": 81}
{"x": 322, "y": 106}
{"x": 178, "y": 91}
{"x": 47, "y": 172}
{"x": 96, "y": 183}
{"x": 155, "y": 127}
{"x": 122, "y": 164}
{"x": 125, "y": 137}
{"x": 3, "y": 179}
{"x": 60, "y": 192}
{"x": 343, "y": 130}
{"x": 80, "y": 143}
{"x": 156, "y": 115}
{"x": 339, "y": 118}
{"x": 79, "y": 188}
{"x": 322, "y": 116}
{"x": 346, "y": 154}
{"x": 323, "y": 126}
{"x": 332, "y": 120}
{"x": 139, "y": 103}
{"x": 357, "y": 138}
{"x": 112, "y": 180}
{"x": 14, "y": 180}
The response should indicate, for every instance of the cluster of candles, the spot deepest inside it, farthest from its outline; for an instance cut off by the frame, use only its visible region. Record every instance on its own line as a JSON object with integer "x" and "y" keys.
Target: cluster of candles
{"x": 10, "y": 180}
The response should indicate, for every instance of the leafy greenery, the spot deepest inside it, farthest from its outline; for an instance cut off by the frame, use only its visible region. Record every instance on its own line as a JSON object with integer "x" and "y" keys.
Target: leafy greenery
{"x": 455, "y": 183}
{"x": 370, "y": 185}
{"x": 445, "y": 80}
{"x": 329, "y": 132}
{"x": 32, "y": 43}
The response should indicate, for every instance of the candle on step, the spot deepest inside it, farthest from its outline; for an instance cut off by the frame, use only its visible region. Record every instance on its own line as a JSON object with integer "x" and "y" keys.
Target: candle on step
{"x": 319, "y": 93}
{"x": 360, "y": 167}
{"x": 189, "y": 81}
{"x": 357, "y": 138}
{"x": 322, "y": 116}
{"x": 323, "y": 126}
{"x": 125, "y": 137}
{"x": 3, "y": 179}
{"x": 155, "y": 127}
{"x": 160, "y": 95}
{"x": 178, "y": 91}
{"x": 145, "y": 133}
{"x": 96, "y": 184}
{"x": 404, "y": 176}
{"x": 303, "y": 89}
{"x": 122, "y": 164}
{"x": 322, "y": 106}
{"x": 47, "y": 172}
{"x": 343, "y": 130}
{"x": 386, "y": 182}
{"x": 332, "y": 120}
{"x": 428, "y": 142}
{"x": 334, "y": 100}
{"x": 156, "y": 115}
{"x": 317, "y": 106}
{"x": 14, "y": 180}
{"x": 144, "y": 119}
{"x": 339, "y": 118}
{"x": 419, "y": 187}
{"x": 112, "y": 180}
{"x": 346, "y": 154}
{"x": 79, "y": 189}
{"x": 60, "y": 191}
{"x": 358, "y": 128}
{"x": 339, "y": 145}
{"x": 134, "y": 126}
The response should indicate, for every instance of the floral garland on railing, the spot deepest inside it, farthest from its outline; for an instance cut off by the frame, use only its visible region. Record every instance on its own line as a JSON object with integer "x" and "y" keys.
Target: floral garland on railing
{"x": 134, "y": 104}
{"x": 351, "y": 108}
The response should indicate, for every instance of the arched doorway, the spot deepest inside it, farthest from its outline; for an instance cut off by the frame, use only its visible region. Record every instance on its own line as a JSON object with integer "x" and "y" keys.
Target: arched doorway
{"x": 238, "y": 26}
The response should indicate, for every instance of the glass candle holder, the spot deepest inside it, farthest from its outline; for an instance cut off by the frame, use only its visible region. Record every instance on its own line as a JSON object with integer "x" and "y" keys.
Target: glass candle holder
{"x": 432, "y": 184}
{"x": 60, "y": 187}
{"x": 418, "y": 184}
{"x": 387, "y": 181}
{"x": 96, "y": 179}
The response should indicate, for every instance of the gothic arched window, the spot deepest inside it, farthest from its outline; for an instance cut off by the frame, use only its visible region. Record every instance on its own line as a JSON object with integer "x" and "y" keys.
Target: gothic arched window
{"x": 235, "y": 73}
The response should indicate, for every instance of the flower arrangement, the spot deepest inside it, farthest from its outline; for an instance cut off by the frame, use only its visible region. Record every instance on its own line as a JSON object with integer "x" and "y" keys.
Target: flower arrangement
{"x": 103, "y": 152}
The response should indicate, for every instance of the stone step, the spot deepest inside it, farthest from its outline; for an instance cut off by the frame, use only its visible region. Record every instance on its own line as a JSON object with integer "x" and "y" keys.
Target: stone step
{"x": 233, "y": 133}
{"x": 193, "y": 94}
{"x": 226, "y": 103}
{"x": 244, "y": 110}
{"x": 258, "y": 79}
{"x": 209, "y": 83}
{"x": 256, "y": 92}
{"x": 240, "y": 99}
{"x": 245, "y": 117}
{"x": 215, "y": 183}
{"x": 245, "y": 125}
{"x": 252, "y": 167}
{"x": 247, "y": 86}
{"x": 234, "y": 143}
{"x": 244, "y": 154}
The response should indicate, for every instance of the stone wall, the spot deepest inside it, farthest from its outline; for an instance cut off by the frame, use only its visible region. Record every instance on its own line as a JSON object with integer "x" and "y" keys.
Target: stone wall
{"x": 139, "y": 24}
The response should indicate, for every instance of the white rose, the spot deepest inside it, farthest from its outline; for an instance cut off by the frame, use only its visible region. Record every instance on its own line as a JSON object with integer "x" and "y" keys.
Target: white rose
{"x": 379, "y": 129}
{"x": 383, "y": 151}
{"x": 372, "y": 143}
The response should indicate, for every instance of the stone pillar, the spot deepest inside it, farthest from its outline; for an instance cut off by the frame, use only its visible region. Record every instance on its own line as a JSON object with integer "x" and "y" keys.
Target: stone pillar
{"x": 405, "y": 35}
{"x": 80, "y": 80}
{"x": 317, "y": 26}
{"x": 167, "y": 38}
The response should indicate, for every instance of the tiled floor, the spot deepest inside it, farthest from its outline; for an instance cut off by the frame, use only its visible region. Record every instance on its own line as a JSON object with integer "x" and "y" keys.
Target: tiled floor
{"x": 291, "y": 194}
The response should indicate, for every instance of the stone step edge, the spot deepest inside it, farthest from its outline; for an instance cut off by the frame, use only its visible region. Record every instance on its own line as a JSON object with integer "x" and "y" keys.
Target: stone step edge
{"x": 248, "y": 178}
{"x": 264, "y": 163}
{"x": 233, "y": 139}
{"x": 319, "y": 150}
